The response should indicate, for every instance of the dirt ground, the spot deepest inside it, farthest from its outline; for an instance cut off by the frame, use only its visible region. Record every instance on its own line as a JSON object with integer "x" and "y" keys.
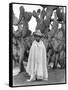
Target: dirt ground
{"x": 54, "y": 77}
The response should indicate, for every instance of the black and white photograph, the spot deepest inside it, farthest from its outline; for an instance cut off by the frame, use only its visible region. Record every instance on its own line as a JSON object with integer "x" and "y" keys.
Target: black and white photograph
{"x": 37, "y": 44}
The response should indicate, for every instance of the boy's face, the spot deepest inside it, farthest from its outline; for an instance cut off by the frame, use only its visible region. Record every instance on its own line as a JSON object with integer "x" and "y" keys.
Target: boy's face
{"x": 37, "y": 38}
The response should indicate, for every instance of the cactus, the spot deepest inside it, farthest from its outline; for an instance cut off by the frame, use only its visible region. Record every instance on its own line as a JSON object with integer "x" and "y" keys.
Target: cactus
{"x": 55, "y": 37}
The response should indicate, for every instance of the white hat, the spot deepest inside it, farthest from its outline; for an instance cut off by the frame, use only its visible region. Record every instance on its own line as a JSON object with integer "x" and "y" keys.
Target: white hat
{"x": 38, "y": 33}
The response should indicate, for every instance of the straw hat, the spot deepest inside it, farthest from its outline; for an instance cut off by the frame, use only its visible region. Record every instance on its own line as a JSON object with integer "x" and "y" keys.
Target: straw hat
{"x": 38, "y": 33}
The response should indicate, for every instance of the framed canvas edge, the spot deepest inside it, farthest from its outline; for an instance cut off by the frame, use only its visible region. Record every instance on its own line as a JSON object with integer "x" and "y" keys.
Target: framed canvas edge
{"x": 10, "y": 45}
